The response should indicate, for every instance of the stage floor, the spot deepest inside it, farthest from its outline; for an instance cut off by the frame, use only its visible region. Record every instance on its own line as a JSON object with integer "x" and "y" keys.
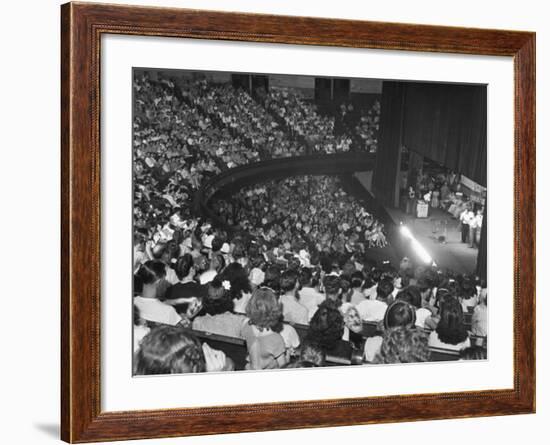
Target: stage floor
{"x": 452, "y": 253}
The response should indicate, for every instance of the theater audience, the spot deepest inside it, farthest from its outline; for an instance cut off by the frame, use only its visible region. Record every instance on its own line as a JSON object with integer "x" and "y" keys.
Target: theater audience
{"x": 282, "y": 252}
{"x": 275, "y": 210}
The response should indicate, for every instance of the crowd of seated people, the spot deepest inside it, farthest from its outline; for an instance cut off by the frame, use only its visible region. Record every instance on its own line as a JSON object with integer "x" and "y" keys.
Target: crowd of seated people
{"x": 187, "y": 131}
{"x": 279, "y": 305}
{"x": 303, "y": 118}
{"x": 331, "y": 219}
{"x": 280, "y": 284}
{"x": 368, "y": 128}
{"x": 237, "y": 110}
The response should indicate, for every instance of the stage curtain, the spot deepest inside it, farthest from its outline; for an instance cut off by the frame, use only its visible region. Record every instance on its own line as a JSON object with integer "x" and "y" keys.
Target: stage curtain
{"x": 386, "y": 168}
{"x": 481, "y": 268}
{"x": 448, "y": 124}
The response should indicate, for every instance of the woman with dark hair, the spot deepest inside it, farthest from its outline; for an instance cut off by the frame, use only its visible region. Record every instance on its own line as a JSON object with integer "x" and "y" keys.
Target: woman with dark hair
{"x": 266, "y": 348}
{"x": 436, "y": 303}
{"x": 468, "y": 294}
{"x": 150, "y": 307}
{"x": 326, "y": 327}
{"x": 216, "y": 315}
{"x": 186, "y": 293}
{"x": 240, "y": 288}
{"x": 170, "y": 350}
{"x": 450, "y": 332}
{"x": 357, "y": 281}
{"x": 403, "y": 345}
{"x": 399, "y": 314}
{"x": 272, "y": 278}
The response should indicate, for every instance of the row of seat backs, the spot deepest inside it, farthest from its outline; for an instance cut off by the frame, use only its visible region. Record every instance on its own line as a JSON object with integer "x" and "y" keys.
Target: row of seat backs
{"x": 235, "y": 348}
{"x": 343, "y": 354}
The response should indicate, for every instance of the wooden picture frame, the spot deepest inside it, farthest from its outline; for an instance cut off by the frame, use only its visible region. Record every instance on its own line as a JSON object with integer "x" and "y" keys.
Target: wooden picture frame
{"x": 82, "y": 26}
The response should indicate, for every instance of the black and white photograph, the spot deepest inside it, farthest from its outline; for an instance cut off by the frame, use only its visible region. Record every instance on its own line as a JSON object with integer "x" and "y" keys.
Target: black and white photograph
{"x": 291, "y": 221}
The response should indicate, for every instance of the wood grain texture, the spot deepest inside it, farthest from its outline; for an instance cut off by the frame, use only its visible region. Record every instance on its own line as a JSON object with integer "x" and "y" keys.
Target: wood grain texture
{"x": 81, "y": 28}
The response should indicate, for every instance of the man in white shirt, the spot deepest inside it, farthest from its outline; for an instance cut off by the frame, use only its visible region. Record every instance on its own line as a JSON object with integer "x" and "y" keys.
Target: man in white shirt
{"x": 374, "y": 310}
{"x": 293, "y": 311}
{"x": 151, "y": 309}
{"x": 465, "y": 218}
{"x": 310, "y": 297}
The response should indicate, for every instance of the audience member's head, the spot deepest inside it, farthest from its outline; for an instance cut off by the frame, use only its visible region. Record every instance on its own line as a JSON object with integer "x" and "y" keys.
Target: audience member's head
{"x": 272, "y": 278}
{"x": 412, "y": 295}
{"x": 264, "y": 309}
{"x": 184, "y": 267}
{"x": 151, "y": 271}
{"x": 450, "y": 328}
{"x": 333, "y": 287}
{"x": 305, "y": 277}
{"x": 403, "y": 345}
{"x": 217, "y": 300}
{"x": 289, "y": 281}
{"x": 384, "y": 290}
{"x": 169, "y": 350}
{"x": 237, "y": 277}
{"x": 326, "y": 326}
{"x": 400, "y": 314}
{"x": 312, "y": 353}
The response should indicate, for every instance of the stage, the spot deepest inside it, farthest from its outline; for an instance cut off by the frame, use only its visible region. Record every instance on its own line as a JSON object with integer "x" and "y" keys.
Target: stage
{"x": 450, "y": 253}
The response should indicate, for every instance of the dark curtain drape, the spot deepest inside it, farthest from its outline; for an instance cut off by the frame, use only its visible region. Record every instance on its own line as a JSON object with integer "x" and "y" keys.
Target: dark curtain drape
{"x": 481, "y": 268}
{"x": 448, "y": 124}
{"x": 443, "y": 122}
{"x": 386, "y": 166}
